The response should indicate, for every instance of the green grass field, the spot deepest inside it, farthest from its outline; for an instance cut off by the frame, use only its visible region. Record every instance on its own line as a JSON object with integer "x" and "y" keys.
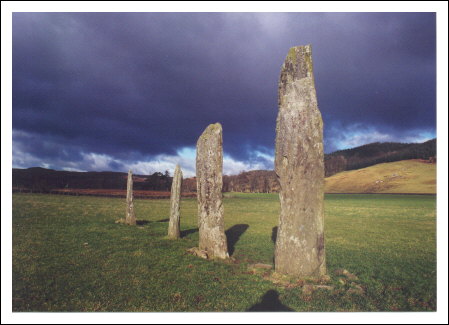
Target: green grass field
{"x": 69, "y": 255}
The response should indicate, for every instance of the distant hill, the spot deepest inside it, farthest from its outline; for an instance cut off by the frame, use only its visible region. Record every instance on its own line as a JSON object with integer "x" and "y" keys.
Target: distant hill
{"x": 43, "y": 180}
{"x": 39, "y": 179}
{"x": 405, "y": 176}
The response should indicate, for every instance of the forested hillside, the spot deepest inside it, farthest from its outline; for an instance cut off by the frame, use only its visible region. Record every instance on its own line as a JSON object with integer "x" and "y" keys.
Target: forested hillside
{"x": 376, "y": 153}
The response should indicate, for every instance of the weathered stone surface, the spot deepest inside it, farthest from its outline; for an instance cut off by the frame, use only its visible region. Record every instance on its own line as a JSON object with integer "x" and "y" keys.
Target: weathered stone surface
{"x": 324, "y": 287}
{"x": 209, "y": 177}
{"x": 198, "y": 252}
{"x": 347, "y": 274}
{"x": 130, "y": 218}
{"x": 308, "y": 289}
{"x": 175, "y": 197}
{"x": 325, "y": 279}
{"x": 299, "y": 165}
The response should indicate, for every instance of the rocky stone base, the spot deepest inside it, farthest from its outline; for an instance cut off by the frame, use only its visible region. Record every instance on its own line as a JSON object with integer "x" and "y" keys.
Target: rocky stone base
{"x": 195, "y": 251}
{"x": 344, "y": 283}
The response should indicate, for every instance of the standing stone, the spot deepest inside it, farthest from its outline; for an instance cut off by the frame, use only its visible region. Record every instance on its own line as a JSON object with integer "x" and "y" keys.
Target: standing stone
{"x": 130, "y": 216}
{"x": 175, "y": 197}
{"x": 209, "y": 181}
{"x": 299, "y": 165}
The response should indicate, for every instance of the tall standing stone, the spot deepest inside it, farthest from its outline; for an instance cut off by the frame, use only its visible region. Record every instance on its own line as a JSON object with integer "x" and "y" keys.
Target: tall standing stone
{"x": 299, "y": 165}
{"x": 130, "y": 216}
{"x": 175, "y": 197}
{"x": 209, "y": 181}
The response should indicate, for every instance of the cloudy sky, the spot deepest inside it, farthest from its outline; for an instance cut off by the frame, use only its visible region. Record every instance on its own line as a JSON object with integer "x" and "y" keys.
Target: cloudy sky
{"x": 114, "y": 91}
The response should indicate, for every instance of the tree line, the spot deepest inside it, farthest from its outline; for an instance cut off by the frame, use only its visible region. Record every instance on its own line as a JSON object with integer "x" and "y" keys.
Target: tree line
{"x": 44, "y": 180}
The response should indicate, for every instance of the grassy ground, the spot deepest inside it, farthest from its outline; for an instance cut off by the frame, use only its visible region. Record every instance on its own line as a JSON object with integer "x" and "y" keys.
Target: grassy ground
{"x": 69, "y": 255}
{"x": 406, "y": 176}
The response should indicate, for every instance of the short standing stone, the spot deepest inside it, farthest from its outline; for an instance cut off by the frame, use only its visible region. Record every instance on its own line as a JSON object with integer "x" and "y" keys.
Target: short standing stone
{"x": 209, "y": 171}
{"x": 174, "y": 221}
{"x": 130, "y": 216}
{"x": 299, "y": 165}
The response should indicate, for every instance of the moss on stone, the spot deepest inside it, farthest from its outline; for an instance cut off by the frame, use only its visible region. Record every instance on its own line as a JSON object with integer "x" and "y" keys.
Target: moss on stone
{"x": 292, "y": 55}
{"x": 308, "y": 62}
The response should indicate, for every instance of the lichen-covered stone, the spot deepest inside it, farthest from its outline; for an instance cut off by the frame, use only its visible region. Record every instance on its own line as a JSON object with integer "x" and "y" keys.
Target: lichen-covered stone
{"x": 209, "y": 177}
{"x": 299, "y": 165}
{"x": 130, "y": 216}
{"x": 355, "y": 289}
{"x": 325, "y": 279}
{"x": 308, "y": 289}
{"x": 198, "y": 252}
{"x": 175, "y": 197}
{"x": 347, "y": 274}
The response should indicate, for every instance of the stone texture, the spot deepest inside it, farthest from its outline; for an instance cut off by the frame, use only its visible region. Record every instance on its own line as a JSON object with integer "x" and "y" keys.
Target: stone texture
{"x": 356, "y": 289}
{"x": 299, "y": 166}
{"x": 209, "y": 177}
{"x": 325, "y": 279}
{"x": 130, "y": 216}
{"x": 175, "y": 198}
{"x": 198, "y": 252}
{"x": 308, "y": 289}
{"x": 346, "y": 273}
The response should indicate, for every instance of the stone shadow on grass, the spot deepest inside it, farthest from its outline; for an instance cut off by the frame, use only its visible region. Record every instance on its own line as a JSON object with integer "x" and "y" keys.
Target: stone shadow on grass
{"x": 233, "y": 234}
{"x": 187, "y": 232}
{"x": 270, "y": 302}
{"x": 145, "y": 222}
{"x": 274, "y": 234}
{"x": 162, "y": 220}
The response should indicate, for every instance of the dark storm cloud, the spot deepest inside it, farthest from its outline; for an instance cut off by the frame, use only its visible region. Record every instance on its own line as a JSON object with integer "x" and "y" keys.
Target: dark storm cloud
{"x": 137, "y": 84}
